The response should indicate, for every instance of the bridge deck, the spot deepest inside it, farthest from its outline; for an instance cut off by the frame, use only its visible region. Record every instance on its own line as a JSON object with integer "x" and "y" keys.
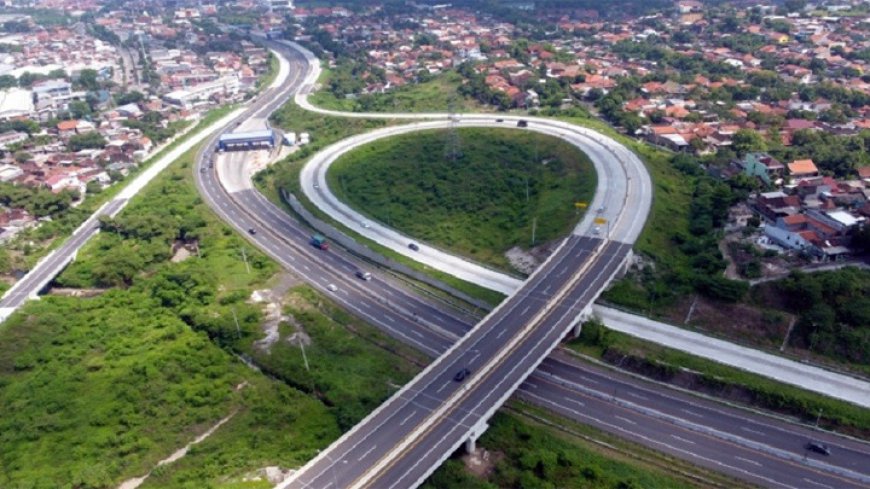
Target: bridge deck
{"x": 460, "y": 405}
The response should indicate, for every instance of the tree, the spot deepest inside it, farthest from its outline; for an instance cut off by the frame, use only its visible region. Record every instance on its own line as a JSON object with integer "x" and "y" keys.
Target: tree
{"x": 79, "y": 109}
{"x": 133, "y": 97}
{"x": 746, "y": 141}
{"x": 90, "y": 140}
{"x": 8, "y": 81}
{"x": 22, "y": 156}
{"x": 88, "y": 79}
{"x": 794, "y": 5}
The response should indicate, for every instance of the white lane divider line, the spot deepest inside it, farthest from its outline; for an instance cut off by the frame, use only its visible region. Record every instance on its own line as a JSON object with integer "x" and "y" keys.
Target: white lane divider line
{"x": 402, "y": 423}
{"x": 749, "y": 461}
{"x": 575, "y": 401}
{"x": 625, "y": 420}
{"x": 370, "y": 450}
{"x": 675, "y": 437}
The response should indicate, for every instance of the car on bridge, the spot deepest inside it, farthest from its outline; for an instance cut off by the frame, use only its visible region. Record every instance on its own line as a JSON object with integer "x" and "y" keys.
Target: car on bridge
{"x": 462, "y": 374}
{"x": 818, "y": 447}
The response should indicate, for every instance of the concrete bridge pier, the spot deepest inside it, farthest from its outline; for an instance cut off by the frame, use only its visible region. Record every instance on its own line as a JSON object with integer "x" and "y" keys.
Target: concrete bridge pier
{"x": 626, "y": 264}
{"x": 584, "y": 316}
{"x": 475, "y": 433}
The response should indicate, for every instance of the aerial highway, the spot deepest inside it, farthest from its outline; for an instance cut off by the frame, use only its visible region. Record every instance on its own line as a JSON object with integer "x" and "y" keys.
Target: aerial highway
{"x": 433, "y": 327}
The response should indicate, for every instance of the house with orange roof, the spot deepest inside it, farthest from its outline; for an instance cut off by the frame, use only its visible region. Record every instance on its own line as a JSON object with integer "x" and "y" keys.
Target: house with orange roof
{"x": 802, "y": 169}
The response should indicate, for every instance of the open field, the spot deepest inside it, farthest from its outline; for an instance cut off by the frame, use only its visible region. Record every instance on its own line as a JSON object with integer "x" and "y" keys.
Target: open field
{"x": 429, "y": 96}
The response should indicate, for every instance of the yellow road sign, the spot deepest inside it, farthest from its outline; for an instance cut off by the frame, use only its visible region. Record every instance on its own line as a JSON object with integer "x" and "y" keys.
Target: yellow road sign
{"x": 600, "y": 220}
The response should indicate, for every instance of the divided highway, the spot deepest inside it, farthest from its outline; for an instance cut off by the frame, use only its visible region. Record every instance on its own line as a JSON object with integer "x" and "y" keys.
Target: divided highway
{"x": 768, "y": 453}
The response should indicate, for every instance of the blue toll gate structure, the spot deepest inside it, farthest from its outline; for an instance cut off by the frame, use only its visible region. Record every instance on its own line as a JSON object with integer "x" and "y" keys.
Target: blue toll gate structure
{"x": 241, "y": 141}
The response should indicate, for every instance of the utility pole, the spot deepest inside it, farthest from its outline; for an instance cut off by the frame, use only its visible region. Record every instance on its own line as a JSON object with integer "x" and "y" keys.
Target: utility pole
{"x": 453, "y": 146}
{"x": 245, "y": 257}
{"x": 304, "y": 357}
{"x": 236, "y": 319}
{"x": 534, "y": 229}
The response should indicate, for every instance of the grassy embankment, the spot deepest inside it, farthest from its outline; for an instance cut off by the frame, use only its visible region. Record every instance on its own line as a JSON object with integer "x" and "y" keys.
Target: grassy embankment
{"x": 739, "y": 386}
{"x": 507, "y": 187}
{"x": 530, "y": 448}
{"x": 431, "y": 96}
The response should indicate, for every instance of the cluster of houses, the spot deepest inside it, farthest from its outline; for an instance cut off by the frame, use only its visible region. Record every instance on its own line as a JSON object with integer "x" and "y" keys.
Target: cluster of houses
{"x": 187, "y": 80}
{"x": 811, "y": 214}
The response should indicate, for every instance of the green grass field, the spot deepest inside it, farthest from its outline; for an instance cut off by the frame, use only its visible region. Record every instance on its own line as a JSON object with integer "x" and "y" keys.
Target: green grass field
{"x": 430, "y": 96}
{"x": 506, "y": 184}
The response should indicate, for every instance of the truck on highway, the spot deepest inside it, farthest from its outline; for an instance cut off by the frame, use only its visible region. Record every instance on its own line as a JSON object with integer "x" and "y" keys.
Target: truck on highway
{"x": 319, "y": 241}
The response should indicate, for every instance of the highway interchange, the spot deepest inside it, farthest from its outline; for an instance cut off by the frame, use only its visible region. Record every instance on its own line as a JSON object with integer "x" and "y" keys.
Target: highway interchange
{"x": 768, "y": 453}
{"x": 753, "y": 447}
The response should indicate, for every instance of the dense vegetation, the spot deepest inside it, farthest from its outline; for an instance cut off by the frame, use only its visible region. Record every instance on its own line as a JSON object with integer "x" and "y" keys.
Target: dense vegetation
{"x": 326, "y": 130}
{"x": 98, "y": 389}
{"x": 538, "y": 458}
{"x": 39, "y": 202}
{"x": 504, "y": 185}
{"x": 834, "y": 312}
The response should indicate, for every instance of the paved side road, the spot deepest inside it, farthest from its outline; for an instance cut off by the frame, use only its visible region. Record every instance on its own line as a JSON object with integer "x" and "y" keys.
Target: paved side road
{"x": 775, "y": 367}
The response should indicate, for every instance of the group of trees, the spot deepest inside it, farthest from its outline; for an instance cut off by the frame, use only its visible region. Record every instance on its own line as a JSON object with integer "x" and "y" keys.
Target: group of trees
{"x": 152, "y": 125}
{"x": 39, "y": 202}
{"x": 88, "y": 140}
{"x": 834, "y": 312}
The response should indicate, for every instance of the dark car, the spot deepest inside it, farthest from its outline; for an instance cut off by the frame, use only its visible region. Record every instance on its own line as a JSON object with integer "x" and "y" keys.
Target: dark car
{"x": 522, "y": 123}
{"x": 499, "y": 120}
{"x": 414, "y": 246}
{"x": 461, "y": 375}
{"x": 252, "y": 231}
{"x": 818, "y": 447}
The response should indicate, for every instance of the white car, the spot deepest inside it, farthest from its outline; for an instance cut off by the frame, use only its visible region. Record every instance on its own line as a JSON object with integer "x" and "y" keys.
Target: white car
{"x": 332, "y": 287}
{"x": 365, "y": 224}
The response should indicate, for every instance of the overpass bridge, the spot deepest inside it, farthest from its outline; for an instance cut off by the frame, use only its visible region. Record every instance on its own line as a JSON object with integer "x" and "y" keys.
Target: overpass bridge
{"x": 402, "y": 442}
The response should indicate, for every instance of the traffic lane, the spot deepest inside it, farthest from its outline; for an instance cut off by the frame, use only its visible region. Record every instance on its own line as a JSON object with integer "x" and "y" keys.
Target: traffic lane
{"x": 434, "y": 386}
{"x": 700, "y": 449}
{"x": 225, "y": 206}
{"x": 311, "y": 269}
{"x": 449, "y": 432}
{"x": 280, "y": 221}
{"x": 383, "y": 290}
{"x": 729, "y": 422}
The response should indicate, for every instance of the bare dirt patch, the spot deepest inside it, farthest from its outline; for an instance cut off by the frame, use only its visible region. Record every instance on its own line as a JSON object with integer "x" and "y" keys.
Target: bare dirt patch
{"x": 482, "y": 462}
{"x": 182, "y": 251}
{"x": 67, "y": 292}
{"x": 741, "y": 322}
{"x": 526, "y": 261}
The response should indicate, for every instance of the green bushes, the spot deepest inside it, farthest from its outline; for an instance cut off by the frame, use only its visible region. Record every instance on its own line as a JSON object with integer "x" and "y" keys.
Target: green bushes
{"x": 834, "y": 312}
{"x": 536, "y": 457}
